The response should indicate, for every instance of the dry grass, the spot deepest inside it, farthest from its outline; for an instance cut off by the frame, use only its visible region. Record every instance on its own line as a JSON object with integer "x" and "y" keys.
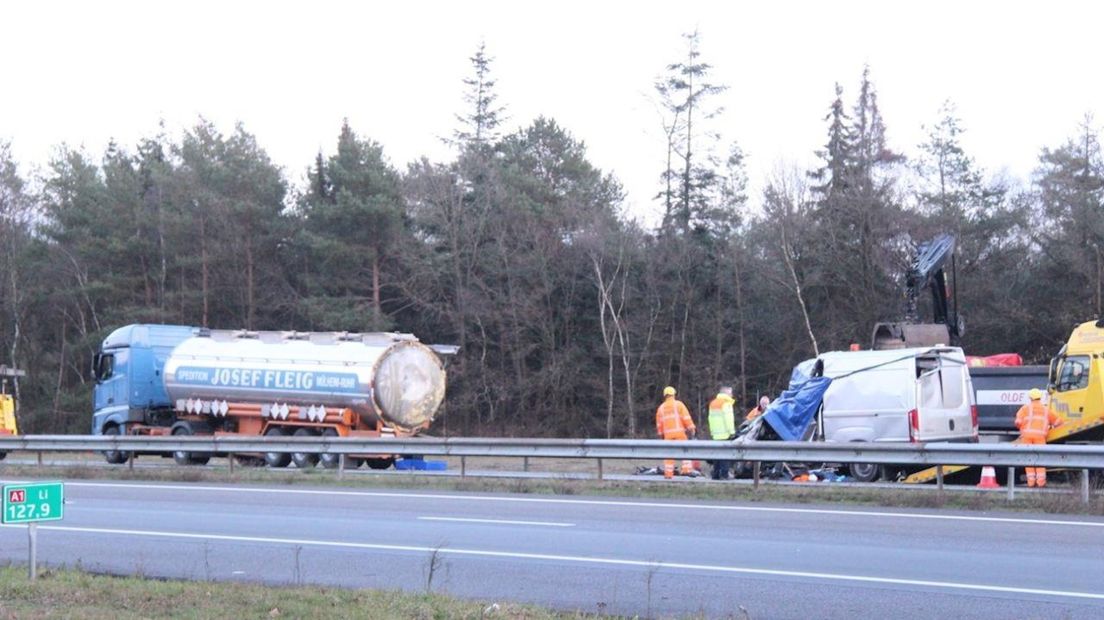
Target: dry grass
{"x": 81, "y": 595}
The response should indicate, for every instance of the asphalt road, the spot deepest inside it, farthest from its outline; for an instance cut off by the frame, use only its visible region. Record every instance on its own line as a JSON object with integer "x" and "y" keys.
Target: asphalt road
{"x": 652, "y": 558}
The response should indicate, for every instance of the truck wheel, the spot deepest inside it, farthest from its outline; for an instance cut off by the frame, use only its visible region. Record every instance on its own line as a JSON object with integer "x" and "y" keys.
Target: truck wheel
{"x": 304, "y": 460}
{"x": 380, "y": 463}
{"x": 865, "y": 472}
{"x": 188, "y": 458}
{"x": 331, "y": 461}
{"x": 114, "y": 457}
{"x": 276, "y": 459}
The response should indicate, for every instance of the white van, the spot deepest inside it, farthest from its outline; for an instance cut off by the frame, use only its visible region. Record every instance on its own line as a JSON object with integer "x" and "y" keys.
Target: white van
{"x": 902, "y": 395}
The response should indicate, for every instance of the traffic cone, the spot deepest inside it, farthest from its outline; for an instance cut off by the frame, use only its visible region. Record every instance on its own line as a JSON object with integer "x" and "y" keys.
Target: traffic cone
{"x": 988, "y": 479}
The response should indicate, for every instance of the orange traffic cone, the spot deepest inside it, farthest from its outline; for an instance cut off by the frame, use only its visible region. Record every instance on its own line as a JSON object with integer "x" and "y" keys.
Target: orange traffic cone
{"x": 988, "y": 479}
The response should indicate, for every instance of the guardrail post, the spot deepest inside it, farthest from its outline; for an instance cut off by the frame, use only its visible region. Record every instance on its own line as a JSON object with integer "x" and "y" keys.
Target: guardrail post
{"x": 341, "y": 466}
{"x": 40, "y": 458}
{"x": 601, "y": 474}
{"x": 130, "y": 461}
{"x": 755, "y": 475}
{"x": 1011, "y": 483}
{"x": 939, "y": 478}
{"x": 32, "y": 551}
{"x": 525, "y": 463}
{"x": 463, "y": 466}
{"x": 230, "y": 459}
{"x": 1084, "y": 486}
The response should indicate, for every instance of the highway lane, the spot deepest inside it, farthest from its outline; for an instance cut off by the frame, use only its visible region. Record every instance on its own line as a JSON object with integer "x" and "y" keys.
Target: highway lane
{"x": 620, "y": 556}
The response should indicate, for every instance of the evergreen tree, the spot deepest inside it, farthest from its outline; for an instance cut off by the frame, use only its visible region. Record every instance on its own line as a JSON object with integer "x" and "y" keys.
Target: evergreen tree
{"x": 354, "y": 218}
{"x": 686, "y": 92}
{"x": 480, "y": 124}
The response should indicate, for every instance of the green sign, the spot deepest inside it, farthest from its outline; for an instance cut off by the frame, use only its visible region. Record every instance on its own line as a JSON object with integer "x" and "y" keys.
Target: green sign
{"x": 31, "y": 502}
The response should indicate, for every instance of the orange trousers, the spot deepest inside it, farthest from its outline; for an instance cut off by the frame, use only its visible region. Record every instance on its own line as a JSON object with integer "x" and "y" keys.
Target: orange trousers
{"x": 669, "y": 464}
{"x": 1036, "y": 476}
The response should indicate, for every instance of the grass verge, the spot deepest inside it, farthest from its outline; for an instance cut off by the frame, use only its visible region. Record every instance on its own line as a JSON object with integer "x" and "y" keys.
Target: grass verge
{"x": 68, "y": 593}
{"x": 1064, "y": 501}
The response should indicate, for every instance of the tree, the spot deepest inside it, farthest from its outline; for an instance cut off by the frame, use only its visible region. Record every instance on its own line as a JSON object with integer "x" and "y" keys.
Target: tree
{"x": 1071, "y": 232}
{"x": 479, "y": 126}
{"x": 685, "y": 93}
{"x": 353, "y": 217}
{"x": 857, "y": 214}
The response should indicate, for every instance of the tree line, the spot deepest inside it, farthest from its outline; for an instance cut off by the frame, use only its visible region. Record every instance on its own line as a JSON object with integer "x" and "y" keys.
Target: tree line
{"x": 570, "y": 313}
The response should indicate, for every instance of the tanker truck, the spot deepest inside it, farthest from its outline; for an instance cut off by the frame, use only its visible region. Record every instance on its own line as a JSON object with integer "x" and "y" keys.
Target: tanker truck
{"x": 179, "y": 380}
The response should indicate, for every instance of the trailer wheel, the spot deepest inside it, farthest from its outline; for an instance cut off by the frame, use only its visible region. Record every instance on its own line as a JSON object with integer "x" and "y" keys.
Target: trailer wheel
{"x": 114, "y": 457}
{"x": 331, "y": 461}
{"x": 276, "y": 459}
{"x": 304, "y": 460}
{"x": 183, "y": 457}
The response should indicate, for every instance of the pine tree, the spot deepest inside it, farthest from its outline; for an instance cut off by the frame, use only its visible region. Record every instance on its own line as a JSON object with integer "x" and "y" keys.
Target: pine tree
{"x": 480, "y": 124}
{"x": 685, "y": 92}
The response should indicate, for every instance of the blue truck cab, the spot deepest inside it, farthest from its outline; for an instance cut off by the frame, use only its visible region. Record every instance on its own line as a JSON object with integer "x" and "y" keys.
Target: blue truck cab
{"x": 129, "y": 387}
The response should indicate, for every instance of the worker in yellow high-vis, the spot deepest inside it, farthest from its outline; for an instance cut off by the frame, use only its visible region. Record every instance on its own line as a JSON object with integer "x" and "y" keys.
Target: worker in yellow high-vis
{"x": 722, "y": 427}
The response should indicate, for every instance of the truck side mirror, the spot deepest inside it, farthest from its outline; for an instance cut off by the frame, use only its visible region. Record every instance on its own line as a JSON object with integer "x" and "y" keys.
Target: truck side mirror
{"x": 96, "y": 366}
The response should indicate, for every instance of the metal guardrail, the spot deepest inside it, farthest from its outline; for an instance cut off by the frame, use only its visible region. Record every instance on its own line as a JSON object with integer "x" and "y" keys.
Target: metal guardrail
{"x": 1001, "y": 455}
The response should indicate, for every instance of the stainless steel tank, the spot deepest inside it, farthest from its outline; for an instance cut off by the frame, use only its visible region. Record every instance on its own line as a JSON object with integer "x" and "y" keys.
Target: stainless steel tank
{"x": 392, "y": 376}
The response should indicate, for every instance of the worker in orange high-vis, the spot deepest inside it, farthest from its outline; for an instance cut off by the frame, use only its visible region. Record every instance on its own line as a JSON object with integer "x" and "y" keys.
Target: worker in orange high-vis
{"x": 673, "y": 422}
{"x": 764, "y": 401}
{"x": 1034, "y": 421}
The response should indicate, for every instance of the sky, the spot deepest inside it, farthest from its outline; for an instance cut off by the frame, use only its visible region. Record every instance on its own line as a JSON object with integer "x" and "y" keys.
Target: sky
{"x": 1022, "y": 75}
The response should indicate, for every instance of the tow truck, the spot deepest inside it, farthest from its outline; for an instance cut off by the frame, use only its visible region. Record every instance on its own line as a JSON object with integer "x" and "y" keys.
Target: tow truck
{"x": 1075, "y": 393}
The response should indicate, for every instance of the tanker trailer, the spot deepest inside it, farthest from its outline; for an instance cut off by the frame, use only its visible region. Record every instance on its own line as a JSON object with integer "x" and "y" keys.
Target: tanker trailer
{"x": 177, "y": 380}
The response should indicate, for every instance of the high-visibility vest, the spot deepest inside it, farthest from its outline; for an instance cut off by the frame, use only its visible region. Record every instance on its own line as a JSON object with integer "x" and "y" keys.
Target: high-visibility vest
{"x": 722, "y": 424}
{"x": 673, "y": 418}
{"x": 1034, "y": 420}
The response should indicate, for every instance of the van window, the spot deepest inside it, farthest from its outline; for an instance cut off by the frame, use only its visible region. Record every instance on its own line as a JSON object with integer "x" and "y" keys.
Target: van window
{"x": 941, "y": 383}
{"x": 1074, "y": 374}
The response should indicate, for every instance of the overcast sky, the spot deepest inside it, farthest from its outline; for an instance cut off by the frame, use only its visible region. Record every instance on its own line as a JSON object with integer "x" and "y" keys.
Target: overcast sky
{"x": 1022, "y": 75}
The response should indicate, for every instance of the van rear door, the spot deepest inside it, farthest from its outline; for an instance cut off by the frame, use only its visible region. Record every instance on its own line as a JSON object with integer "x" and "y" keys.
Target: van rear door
{"x": 943, "y": 400}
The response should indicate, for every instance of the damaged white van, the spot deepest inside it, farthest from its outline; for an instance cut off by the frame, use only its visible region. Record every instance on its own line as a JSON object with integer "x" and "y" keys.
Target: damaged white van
{"x": 903, "y": 395}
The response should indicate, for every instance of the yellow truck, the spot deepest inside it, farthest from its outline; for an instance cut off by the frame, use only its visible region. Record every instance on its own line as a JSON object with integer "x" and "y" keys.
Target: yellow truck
{"x": 7, "y": 403}
{"x": 1075, "y": 393}
{"x": 1076, "y": 386}
{"x": 7, "y": 418}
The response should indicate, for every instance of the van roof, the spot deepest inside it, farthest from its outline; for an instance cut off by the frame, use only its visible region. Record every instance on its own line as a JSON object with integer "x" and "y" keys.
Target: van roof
{"x": 850, "y": 360}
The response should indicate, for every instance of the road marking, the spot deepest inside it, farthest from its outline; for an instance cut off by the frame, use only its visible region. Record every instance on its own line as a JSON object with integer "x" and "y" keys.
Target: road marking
{"x": 582, "y": 559}
{"x": 497, "y": 521}
{"x": 596, "y": 502}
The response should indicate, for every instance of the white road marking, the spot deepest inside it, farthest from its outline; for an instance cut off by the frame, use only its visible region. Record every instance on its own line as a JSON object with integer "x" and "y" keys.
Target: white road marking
{"x": 582, "y": 559}
{"x": 596, "y": 502}
{"x": 497, "y": 521}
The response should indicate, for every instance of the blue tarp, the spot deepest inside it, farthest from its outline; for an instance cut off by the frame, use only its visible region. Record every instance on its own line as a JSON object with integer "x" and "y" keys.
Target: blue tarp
{"x": 793, "y": 411}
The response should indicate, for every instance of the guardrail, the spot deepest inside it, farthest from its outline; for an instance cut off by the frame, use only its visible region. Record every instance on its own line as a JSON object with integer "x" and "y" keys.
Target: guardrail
{"x": 925, "y": 455}
{"x": 1007, "y": 455}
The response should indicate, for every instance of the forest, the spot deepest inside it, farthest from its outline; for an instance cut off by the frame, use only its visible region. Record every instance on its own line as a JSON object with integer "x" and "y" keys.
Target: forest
{"x": 571, "y": 313}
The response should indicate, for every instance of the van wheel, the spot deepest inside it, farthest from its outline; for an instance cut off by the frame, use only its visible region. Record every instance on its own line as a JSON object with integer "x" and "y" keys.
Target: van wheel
{"x": 114, "y": 457}
{"x": 304, "y": 460}
{"x": 276, "y": 459}
{"x": 865, "y": 472}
